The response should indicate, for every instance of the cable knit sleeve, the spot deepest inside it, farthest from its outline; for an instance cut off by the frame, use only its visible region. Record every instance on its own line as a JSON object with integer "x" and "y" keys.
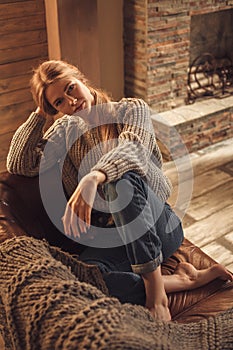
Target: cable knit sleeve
{"x": 27, "y": 154}
{"x": 136, "y": 142}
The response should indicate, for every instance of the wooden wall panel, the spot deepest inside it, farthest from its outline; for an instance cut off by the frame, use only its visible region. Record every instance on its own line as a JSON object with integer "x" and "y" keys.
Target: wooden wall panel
{"x": 15, "y": 54}
{"x": 21, "y": 67}
{"x": 9, "y": 1}
{"x": 24, "y": 23}
{"x": 5, "y": 140}
{"x": 18, "y": 95}
{"x": 10, "y": 9}
{"x": 22, "y": 39}
{"x": 12, "y": 84}
{"x": 23, "y": 45}
{"x": 15, "y": 115}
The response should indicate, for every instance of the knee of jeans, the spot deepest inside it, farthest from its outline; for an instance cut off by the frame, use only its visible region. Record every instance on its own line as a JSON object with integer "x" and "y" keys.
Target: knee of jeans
{"x": 111, "y": 189}
{"x": 131, "y": 176}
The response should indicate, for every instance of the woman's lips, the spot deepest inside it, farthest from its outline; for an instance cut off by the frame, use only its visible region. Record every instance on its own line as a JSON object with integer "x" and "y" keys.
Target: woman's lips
{"x": 80, "y": 107}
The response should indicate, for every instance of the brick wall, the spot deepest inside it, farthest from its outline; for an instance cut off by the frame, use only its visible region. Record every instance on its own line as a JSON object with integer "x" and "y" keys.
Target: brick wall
{"x": 157, "y": 48}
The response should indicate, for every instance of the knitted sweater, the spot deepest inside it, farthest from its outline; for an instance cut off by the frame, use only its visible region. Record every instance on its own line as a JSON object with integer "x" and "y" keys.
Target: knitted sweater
{"x": 71, "y": 143}
{"x": 49, "y": 304}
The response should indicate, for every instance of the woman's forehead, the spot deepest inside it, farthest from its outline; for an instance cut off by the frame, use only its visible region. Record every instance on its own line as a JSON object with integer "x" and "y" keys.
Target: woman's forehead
{"x": 56, "y": 89}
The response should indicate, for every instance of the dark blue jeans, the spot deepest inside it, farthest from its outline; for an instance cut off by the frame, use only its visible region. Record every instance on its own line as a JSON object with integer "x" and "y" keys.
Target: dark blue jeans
{"x": 150, "y": 232}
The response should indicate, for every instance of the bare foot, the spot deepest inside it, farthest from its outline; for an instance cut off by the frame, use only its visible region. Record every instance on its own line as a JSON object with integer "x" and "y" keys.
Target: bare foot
{"x": 197, "y": 278}
{"x": 187, "y": 277}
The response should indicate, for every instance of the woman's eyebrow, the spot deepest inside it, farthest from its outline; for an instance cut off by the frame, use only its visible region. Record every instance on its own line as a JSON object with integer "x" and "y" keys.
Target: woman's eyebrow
{"x": 65, "y": 88}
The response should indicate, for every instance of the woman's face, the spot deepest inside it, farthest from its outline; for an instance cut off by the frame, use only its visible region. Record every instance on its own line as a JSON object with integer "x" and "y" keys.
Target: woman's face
{"x": 69, "y": 96}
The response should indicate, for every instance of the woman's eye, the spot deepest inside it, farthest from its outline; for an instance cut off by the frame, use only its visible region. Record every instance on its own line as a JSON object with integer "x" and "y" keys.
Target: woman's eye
{"x": 58, "y": 103}
{"x": 70, "y": 88}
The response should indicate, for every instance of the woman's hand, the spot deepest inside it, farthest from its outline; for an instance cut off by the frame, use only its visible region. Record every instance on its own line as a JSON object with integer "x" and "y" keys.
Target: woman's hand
{"x": 77, "y": 217}
{"x": 40, "y": 112}
{"x": 50, "y": 119}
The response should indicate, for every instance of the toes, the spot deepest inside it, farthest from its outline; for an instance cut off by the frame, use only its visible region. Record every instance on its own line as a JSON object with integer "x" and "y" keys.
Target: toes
{"x": 223, "y": 273}
{"x": 229, "y": 276}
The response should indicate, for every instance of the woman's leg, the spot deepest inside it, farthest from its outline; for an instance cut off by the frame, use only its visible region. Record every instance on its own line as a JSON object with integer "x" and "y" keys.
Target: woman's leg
{"x": 116, "y": 270}
{"x": 129, "y": 287}
{"x": 157, "y": 233}
{"x": 150, "y": 230}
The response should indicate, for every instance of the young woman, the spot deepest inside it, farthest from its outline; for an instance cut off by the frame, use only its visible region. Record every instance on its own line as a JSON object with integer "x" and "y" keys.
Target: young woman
{"x": 111, "y": 157}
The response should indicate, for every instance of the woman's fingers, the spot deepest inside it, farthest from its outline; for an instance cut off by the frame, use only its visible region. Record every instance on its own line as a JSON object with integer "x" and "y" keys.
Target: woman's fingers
{"x": 84, "y": 217}
{"x": 74, "y": 224}
{"x": 77, "y": 219}
{"x": 88, "y": 216}
{"x": 66, "y": 220}
{"x": 81, "y": 217}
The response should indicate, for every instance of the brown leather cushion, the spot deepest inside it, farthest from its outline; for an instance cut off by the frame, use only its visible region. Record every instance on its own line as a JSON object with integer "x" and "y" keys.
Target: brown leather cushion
{"x": 22, "y": 212}
{"x": 194, "y": 305}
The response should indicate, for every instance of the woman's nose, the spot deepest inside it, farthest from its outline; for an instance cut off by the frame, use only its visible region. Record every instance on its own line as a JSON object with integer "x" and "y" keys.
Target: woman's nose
{"x": 72, "y": 100}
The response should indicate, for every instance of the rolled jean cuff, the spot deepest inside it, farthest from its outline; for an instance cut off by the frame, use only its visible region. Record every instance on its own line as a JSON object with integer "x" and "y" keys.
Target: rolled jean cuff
{"x": 149, "y": 266}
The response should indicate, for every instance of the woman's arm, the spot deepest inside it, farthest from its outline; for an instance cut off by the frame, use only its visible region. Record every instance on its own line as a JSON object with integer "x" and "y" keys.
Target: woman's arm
{"x": 136, "y": 142}
{"x": 26, "y": 153}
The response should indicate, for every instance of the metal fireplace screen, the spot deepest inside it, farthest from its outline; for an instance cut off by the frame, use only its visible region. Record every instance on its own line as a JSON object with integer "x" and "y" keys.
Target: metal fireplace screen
{"x": 209, "y": 76}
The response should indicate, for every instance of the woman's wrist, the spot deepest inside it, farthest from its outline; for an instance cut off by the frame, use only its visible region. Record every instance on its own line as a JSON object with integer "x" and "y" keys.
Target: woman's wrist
{"x": 98, "y": 176}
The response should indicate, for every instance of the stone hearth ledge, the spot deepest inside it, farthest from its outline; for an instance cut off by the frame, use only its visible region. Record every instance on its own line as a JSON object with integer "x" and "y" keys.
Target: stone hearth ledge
{"x": 192, "y": 127}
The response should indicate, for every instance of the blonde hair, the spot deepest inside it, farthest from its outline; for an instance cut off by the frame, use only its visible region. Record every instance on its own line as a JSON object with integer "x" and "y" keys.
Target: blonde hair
{"x": 51, "y": 71}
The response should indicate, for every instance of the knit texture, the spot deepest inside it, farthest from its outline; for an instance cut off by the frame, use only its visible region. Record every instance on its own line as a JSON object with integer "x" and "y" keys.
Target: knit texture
{"x": 49, "y": 304}
{"x": 134, "y": 149}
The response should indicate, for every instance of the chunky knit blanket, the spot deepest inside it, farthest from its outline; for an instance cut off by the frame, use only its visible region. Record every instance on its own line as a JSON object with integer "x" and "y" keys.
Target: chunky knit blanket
{"x": 52, "y": 301}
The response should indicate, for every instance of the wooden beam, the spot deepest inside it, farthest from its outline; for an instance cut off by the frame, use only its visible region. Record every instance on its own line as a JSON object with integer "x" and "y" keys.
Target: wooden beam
{"x": 52, "y": 25}
{"x": 79, "y": 37}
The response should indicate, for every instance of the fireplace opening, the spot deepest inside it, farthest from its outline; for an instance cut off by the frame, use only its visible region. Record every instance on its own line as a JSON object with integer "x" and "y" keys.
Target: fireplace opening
{"x": 210, "y": 72}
